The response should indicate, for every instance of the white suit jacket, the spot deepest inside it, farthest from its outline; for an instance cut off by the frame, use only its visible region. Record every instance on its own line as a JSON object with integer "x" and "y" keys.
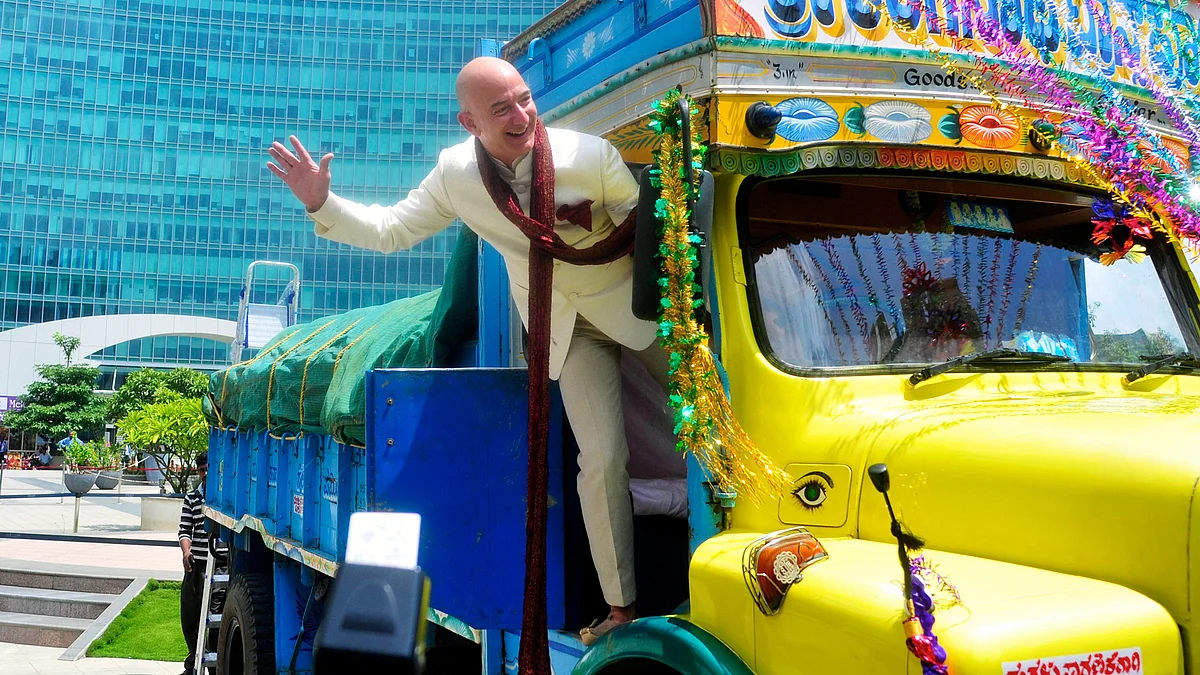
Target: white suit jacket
{"x": 586, "y": 167}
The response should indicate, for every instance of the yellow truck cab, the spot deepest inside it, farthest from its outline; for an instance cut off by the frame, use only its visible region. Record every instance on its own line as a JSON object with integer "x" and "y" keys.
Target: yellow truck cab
{"x": 902, "y": 271}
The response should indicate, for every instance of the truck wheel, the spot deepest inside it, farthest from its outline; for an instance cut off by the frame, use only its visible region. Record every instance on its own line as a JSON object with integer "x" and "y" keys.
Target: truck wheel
{"x": 246, "y": 644}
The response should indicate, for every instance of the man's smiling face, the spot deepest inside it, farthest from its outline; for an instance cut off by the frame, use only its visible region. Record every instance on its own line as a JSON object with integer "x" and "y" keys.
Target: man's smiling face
{"x": 497, "y": 108}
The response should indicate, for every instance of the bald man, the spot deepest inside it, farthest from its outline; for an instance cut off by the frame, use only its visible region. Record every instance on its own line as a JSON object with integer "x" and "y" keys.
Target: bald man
{"x": 590, "y": 314}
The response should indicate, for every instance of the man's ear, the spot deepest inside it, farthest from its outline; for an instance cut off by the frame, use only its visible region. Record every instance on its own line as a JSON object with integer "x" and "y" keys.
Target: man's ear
{"x": 468, "y": 123}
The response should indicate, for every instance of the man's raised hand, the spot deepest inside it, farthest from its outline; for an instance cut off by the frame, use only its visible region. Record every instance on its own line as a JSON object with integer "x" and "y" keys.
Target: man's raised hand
{"x": 308, "y": 180}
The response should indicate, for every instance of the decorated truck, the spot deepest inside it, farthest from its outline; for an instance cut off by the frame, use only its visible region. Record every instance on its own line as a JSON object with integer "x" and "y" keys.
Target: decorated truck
{"x": 942, "y": 263}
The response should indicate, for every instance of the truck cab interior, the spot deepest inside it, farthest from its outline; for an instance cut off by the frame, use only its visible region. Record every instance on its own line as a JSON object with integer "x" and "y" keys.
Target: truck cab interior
{"x": 874, "y": 273}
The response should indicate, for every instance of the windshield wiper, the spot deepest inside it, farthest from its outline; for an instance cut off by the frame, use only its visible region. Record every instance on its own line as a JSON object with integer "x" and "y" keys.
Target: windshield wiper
{"x": 1008, "y": 356}
{"x": 1184, "y": 359}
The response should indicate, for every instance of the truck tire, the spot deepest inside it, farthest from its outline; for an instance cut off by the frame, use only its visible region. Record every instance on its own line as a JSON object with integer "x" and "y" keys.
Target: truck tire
{"x": 246, "y": 644}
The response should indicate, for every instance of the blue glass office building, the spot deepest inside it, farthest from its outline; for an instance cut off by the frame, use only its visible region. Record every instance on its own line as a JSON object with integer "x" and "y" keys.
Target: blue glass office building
{"x": 132, "y": 160}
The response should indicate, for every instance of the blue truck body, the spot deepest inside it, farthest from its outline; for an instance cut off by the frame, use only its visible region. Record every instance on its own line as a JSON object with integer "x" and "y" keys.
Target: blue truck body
{"x": 450, "y": 444}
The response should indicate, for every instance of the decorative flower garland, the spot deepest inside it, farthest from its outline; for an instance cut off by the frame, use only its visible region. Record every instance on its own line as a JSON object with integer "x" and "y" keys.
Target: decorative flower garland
{"x": 938, "y": 324}
{"x": 704, "y": 421}
{"x": 1152, "y": 80}
{"x": 918, "y": 628}
{"x": 1110, "y": 219}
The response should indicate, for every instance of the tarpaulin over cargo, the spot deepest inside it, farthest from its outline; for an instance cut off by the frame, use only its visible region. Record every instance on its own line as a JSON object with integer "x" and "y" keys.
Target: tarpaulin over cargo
{"x": 309, "y": 378}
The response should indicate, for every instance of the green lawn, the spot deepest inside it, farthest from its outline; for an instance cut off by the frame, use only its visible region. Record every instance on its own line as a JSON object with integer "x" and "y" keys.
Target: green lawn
{"x": 147, "y": 629}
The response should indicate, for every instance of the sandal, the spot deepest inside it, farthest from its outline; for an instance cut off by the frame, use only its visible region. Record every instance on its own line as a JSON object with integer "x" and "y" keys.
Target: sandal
{"x": 599, "y": 629}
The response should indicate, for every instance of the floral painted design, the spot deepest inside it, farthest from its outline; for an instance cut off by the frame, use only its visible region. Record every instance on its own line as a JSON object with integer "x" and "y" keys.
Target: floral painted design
{"x": 806, "y": 120}
{"x": 1177, "y": 148}
{"x": 1156, "y": 159}
{"x": 989, "y": 127}
{"x": 898, "y": 121}
{"x": 733, "y": 20}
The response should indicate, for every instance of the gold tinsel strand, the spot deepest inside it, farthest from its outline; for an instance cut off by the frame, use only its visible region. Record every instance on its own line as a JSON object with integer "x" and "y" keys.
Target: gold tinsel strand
{"x": 705, "y": 424}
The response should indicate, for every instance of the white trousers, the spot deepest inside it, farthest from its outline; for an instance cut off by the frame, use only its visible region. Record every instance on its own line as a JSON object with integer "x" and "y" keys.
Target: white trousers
{"x": 591, "y": 390}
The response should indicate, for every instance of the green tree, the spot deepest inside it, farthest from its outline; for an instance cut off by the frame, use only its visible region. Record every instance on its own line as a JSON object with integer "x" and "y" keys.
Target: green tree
{"x": 173, "y": 432}
{"x": 67, "y": 343}
{"x": 148, "y": 386}
{"x": 65, "y": 400}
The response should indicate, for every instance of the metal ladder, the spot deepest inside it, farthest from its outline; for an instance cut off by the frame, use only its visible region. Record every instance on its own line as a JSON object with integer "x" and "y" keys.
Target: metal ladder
{"x": 206, "y": 660}
{"x": 258, "y": 323}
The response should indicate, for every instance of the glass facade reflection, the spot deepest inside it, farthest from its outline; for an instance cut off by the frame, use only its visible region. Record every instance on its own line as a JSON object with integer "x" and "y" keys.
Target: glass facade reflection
{"x": 132, "y": 159}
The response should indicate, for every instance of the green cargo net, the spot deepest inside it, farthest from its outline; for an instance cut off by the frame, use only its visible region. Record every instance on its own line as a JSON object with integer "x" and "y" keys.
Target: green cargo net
{"x": 309, "y": 378}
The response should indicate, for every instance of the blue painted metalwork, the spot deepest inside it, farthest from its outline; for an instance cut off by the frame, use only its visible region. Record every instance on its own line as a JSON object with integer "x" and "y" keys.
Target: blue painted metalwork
{"x": 670, "y": 640}
{"x": 491, "y": 644}
{"x": 291, "y": 594}
{"x": 609, "y": 37}
{"x": 565, "y": 651}
{"x": 451, "y": 445}
{"x": 494, "y": 349}
{"x": 703, "y": 520}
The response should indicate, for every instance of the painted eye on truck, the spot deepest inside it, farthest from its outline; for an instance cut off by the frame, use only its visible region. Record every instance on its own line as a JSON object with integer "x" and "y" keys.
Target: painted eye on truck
{"x": 812, "y": 489}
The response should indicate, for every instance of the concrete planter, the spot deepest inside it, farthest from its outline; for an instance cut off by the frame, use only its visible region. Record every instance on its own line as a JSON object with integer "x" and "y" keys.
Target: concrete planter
{"x": 107, "y": 480}
{"x": 78, "y": 483}
{"x": 154, "y": 475}
{"x": 161, "y": 513}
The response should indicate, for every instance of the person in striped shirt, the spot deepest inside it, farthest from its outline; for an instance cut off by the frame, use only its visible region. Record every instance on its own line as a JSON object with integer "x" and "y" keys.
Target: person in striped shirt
{"x": 193, "y": 540}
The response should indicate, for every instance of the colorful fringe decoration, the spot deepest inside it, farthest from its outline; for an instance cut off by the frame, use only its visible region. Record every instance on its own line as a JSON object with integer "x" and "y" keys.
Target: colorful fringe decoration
{"x": 1102, "y": 134}
{"x": 704, "y": 421}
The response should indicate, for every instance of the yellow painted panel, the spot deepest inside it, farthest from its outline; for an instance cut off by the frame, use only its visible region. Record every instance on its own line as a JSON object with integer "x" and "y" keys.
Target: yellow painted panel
{"x": 1068, "y": 472}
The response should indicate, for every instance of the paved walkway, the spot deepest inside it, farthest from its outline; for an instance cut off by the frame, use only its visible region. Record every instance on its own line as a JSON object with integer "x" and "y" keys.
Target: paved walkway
{"x": 29, "y": 660}
{"x": 98, "y": 517}
{"x": 97, "y": 514}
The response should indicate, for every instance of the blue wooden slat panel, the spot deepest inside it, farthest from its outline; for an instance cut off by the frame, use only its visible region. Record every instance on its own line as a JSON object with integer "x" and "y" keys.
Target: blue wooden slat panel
{"x": 452, "y": 446}
{"x": 219, "y": 447}
{"x": 260, "y": 496}
{"x": 272, "y": 502}
{"x": 305, "y": 485}
{"x": 604, "y": 41}
{"x": 283, "y": 495}
{"x": 345, "y": 497}
{"x": 361, "y": 496}
{"x": 330, "y": 498}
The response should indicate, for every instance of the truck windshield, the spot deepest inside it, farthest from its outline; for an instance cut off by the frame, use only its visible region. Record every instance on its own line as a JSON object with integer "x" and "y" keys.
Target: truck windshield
{"x": 869, "y": 271}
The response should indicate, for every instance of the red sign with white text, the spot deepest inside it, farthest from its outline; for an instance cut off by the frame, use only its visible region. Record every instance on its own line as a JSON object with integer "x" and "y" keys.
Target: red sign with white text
{"x": 1118, "y": 662}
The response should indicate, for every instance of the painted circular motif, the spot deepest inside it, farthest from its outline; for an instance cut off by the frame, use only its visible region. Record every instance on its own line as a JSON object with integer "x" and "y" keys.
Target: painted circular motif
{"x": 1157, "y": 159}
{"x": 786, "y": 17}
{"x": 898, "y": 121}
{"x": 989, "y": 127}
{"x": 806, "y": 120}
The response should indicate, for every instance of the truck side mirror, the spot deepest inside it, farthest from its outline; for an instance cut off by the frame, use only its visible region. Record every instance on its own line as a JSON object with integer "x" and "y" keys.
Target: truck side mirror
{"x": 880, "y": 478}
{"x": 646, "y": 261}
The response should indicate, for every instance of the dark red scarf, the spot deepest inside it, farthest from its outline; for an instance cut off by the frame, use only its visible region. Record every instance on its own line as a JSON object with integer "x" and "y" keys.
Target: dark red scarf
{"x": 545, "y": 246}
